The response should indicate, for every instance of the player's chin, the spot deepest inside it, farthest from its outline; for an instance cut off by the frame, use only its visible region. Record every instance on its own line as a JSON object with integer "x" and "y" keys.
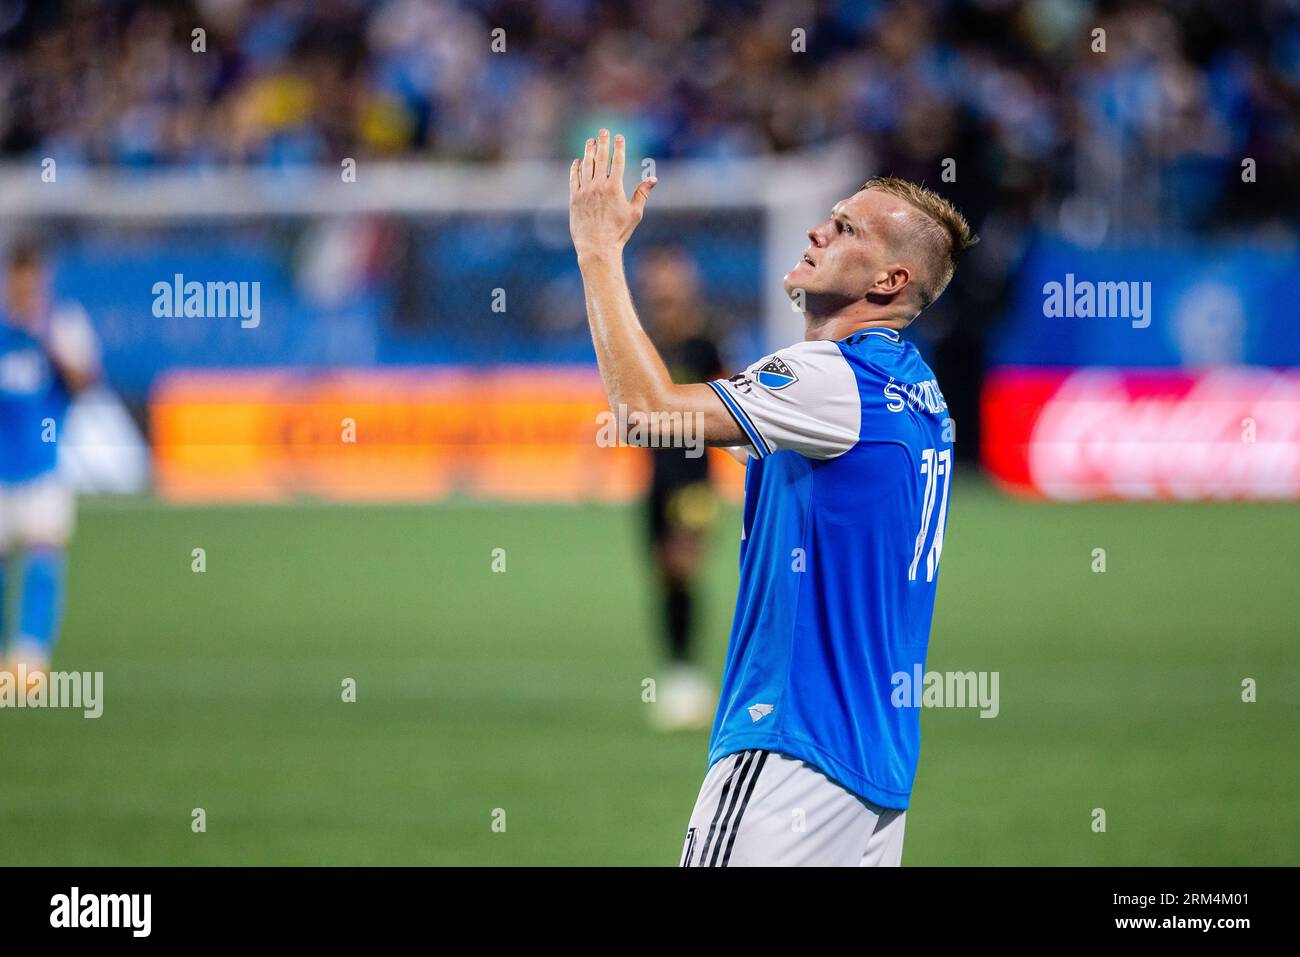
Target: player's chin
{"x": 797, "y": 281}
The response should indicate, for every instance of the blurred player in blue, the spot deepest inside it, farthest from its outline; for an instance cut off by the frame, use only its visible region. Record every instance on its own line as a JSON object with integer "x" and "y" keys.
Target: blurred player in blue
{"x": 849, "y": 441}
{"x": 47, "y": 355}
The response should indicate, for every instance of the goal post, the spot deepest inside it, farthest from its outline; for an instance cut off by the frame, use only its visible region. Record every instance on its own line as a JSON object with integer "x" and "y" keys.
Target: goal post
{"x": 788, "y": 193}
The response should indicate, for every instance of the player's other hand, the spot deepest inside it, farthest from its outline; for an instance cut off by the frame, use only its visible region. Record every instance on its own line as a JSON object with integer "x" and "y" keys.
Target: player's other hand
{"x": 601, "y": 217}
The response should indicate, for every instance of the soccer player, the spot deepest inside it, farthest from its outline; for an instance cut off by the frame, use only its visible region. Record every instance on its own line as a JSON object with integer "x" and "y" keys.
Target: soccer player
{"x": 681, "y": 505}
{"x": 46, "y": 356}
{"x": 846, "y": 501}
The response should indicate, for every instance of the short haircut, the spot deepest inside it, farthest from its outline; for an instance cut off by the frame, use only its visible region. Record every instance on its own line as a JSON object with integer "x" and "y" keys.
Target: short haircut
{"x": 942, "y": 233}
{"x": 26, "y": 253}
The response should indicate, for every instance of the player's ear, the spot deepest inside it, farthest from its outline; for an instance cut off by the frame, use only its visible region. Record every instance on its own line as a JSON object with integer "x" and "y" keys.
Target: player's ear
{"x": 889, "y": 283}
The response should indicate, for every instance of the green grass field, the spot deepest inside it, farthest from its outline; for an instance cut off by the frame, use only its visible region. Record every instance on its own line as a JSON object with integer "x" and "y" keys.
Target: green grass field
{"x": 522, "y": 691}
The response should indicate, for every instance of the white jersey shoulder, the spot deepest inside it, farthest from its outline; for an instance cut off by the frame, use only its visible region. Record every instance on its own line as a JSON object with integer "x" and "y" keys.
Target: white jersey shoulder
{"x": 803, "y": 398}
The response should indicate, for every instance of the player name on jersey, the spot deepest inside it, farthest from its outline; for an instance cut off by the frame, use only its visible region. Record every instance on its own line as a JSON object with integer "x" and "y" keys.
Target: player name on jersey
{"x": 914, "y": 395}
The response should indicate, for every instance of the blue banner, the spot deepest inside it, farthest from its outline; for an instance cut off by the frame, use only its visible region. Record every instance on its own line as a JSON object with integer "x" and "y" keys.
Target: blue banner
{"x": 1165, "y": 307}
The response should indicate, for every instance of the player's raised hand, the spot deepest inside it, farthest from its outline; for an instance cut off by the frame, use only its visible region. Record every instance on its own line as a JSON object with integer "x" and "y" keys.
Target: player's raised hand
{"x": 601, "y": 217}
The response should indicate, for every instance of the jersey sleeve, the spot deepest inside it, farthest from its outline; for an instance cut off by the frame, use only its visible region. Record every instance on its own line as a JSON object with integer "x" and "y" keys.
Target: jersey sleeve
{"x": 803, "y": 399}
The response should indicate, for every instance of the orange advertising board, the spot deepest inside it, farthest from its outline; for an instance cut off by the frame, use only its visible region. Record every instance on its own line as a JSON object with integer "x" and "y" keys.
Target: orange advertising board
{"x": 509, "y": 433}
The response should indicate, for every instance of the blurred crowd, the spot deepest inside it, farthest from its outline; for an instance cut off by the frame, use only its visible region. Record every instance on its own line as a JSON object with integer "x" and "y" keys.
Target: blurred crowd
{"x": 1016, "y": 93}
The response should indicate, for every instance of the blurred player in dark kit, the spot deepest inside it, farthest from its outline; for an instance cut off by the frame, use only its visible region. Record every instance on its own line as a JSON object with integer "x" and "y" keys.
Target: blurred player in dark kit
{"x": 682, "y": 505}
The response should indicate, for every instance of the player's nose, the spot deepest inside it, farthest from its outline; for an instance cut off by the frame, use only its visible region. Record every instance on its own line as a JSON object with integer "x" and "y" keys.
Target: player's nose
{"x": 818, "y": 234}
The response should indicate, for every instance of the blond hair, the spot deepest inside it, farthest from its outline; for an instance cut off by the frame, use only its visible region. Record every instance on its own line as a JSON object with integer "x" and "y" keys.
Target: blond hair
{"x": 943, "y": 234}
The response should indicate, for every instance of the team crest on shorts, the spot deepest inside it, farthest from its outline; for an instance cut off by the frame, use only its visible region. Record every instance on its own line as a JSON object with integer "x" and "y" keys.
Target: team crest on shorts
{"x": 775, "y": 374}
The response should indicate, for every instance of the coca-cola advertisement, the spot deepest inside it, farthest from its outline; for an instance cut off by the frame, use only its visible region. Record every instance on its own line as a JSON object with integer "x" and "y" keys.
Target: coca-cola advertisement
{"x": 1098, "y": 432}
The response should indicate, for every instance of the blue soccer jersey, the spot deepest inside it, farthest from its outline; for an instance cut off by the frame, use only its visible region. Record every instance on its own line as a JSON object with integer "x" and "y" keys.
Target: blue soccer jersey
{"x": 33, "y": 397}
{"x": 846, "y": 499}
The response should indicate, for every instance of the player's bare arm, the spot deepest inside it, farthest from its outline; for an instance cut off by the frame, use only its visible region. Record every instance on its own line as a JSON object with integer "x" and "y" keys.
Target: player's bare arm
{"x": 601, "y": 220}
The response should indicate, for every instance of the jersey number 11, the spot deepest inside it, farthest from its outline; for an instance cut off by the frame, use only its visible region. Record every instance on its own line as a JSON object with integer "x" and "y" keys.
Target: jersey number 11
{"x": 934, "y": 465}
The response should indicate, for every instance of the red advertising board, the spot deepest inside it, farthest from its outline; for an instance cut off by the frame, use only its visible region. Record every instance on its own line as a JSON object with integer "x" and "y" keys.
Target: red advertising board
{"x": 1093, "y": 433}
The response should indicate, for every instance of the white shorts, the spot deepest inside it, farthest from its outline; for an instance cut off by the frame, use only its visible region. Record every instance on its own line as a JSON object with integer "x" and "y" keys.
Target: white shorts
{"x": 764, "y": 809}
{"x": 39, "y": 512}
